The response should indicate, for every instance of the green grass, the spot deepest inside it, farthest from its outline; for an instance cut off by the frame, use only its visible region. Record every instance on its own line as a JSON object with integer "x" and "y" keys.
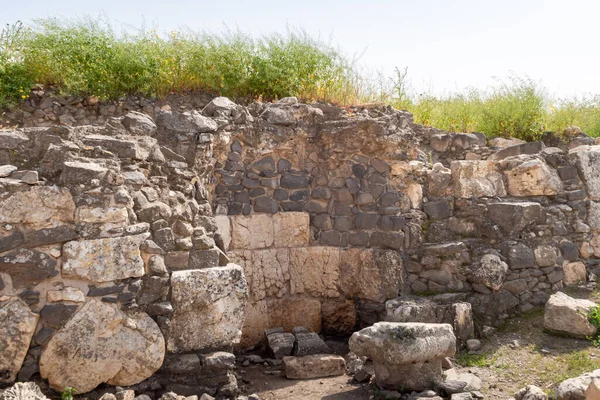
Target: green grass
{"x": 87, "y": 57}
{"x": 464, "y": 359}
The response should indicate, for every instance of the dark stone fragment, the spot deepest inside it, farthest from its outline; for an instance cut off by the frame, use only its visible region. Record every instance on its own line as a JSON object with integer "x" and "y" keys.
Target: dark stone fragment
{"x": 289, "y": 181}
{"x": 321, "y": 193}
{"x": 27, "y": 267}
{"x": 43, "y": 237}
{"x": 234, "y": 208}
{"x": 359, "y": 170}
{"x": 236, "y": 188}
{"x": 234, "y": 166}
{"x": 280, "y": 344}
{"x": 42, "y": 337}
{"x": 392, "y": 223}
{"x": 333, "y": 238}
{"x": 29, "y": 368}
{"x": 299, "y": 195}
{"x": 241, "y": 197}
{"x": 283, "y": 165}
{"x": 160, "y": 224}
{"x": 265, "y": 164}
{"x": 321, "y": 221}
{"x": 380, "y": 165}
{"x": 376, "y": 177}
{"x": 2, "y": 283}
{"x": 292, "y": 206}
{"x": 376, "y": 190}
{"x": 271, "y": 183}
{"x": 265, "y": 204}
{"x": 230, "y": 180}
{"x": 281, "y": 194}
{"x": 520, "y": 257}
{"x": 220, "y": 189}
{"x": 343, "y": 224}
{"x": 110, "y": 300}
{"x": 366, "y": 220}
{"x": 389, "y": 199}
{"x": 105, "y": 291}
{"x": 575, "y": 195}
{"x": 369, "y": 208}
{"x": 437, "y": 209}
{"x": 250, "y": 183}
{"x": 200, "y": 259}
{"x": 126, "y": 297}
{"x": 313, "y": 207}
{"x": 164, "y": 308}
{"x": 568, "y": 172}
{"x": 165, "y": 239}
{"x": 236, "y": 146}
{"x": 569, "y": 251}
{"x": 360, "y": 239}
{"x": 56, "y": 315}
{"x": 257, "y": 192}
{"x": 30, "y": 297}
{"x": 512, "y": 217}
{"x": 234, "y": 156}
{"x": 246, "y": 209}
{"x": 342, "y": 209}
{"x": 387, "y": 240}
{"x": 153, "y": 288}
{"x": 353, "y": 185}
{"x": 11, "y": 241}
{"x": 308, "y": 343}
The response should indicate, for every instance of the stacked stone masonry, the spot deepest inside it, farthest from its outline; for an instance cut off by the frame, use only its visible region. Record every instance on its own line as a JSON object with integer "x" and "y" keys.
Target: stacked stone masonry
{"x": 189, "y": 225}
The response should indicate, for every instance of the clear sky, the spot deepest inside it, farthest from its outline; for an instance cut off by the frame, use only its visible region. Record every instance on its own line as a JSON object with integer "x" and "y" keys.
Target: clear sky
{"x": 447, "y": 45}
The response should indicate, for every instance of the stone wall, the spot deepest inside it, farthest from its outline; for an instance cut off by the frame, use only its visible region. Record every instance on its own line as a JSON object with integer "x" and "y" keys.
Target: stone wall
{"x": 196, "y": 229}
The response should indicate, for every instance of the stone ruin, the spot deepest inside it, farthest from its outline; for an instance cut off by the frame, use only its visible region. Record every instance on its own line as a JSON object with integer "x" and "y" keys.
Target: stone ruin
{"x": 141, "y": 242}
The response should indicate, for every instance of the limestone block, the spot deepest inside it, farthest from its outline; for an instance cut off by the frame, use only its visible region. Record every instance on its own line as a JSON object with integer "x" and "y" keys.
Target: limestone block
{"x": 574, "y": 273}
{"x": 291, "y": 229}
{"x": 267, "y": 271}
{"x": 545, "y": 255}
{"x": 406, "y": 355}
{"x": 564, "y": 314}
{"x": 102, "y": 215}
{"x": 292, "y": 312}
{"x": 17, "y": 326}
{"x": 491, "y": 272}
{"x": 578, "y": 388}
{"x": 477, "y": 179}
{"x": 530, "y": 176}
{"x": 224, "y": 228}
{"x": 138, "y": 123}
{"x": 104, "y": 260}
{"x": 67, "y": 294}
{"x": 315, "y": 271}
{"x": 254, "y": 231}
{"x": 438, "y": 180}
{"x": 134, "y": 148}
{"x": 38, "y": 207}
{"x": 255, "y": 323}
{"x": 102, "y": 344}
{"x": 81, "y": 173}
{"x": 371, "y": 274}
{"x": 588, "y": 163}
{"x": 209, "y": 308}
{"x": 593, "y": 218}
{"x": 314, "y": 366}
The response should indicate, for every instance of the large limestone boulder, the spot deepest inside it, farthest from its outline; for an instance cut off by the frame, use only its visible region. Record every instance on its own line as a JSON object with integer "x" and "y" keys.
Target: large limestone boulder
{"x": 588, "y": 163}
{"x": 38, "y": 207}
{"x": 209, "y": 308}
{"x": 583, "y": 387}
{"x": 104, "y": 260}
{"x": 477, "y": 179}
{"x": 405, "y": 355}
{"x": 102, "y": 344}
{"x": 530, "y": 176}
{"x": 566, "y": 315}
{"x": 17, "y": 326}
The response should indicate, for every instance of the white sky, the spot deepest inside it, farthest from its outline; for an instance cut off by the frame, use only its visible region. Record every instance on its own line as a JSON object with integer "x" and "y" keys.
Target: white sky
{"x": 446, "y": 45}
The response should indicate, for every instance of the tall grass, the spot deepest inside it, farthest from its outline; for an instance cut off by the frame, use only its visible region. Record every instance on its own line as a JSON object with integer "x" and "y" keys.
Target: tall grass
{"x": 87, "y": 57}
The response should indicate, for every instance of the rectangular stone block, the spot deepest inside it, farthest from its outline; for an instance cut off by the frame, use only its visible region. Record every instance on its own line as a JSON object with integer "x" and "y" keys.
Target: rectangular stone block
{"x": 204, "y": 258}
{"x": 257, "y": 320}
{"x": 224, "y": 227}
{"x": 315, "y": 271}
{"x": 477, "y": 179}
{"x": 177, "y": 260}
{"x": 291, "y": 229}
{"x": 267, "y": 271}
{"x": 253, "y": 231}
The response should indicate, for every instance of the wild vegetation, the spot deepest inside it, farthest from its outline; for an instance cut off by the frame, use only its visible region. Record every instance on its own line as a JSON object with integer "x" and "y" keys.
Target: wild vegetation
{"x": 87, "y": 57}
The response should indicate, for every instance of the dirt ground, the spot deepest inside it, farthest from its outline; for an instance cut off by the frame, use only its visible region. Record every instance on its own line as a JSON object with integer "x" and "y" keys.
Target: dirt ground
{"x": 517, "y": 354}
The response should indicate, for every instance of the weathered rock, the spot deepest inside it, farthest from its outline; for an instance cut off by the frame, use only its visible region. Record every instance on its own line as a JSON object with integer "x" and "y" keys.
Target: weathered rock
{"x": 371, "y": 274}
{"x": 514, "y": 217}
{"x": 577, "y": 388}
{"x": 530, "y": 176}
{"x": 38, "y": 207}
{"x": 126, "y": 349}
{"x": 321, "y": 279}
{"x": 23, "y": 391}
{"x": 574, "y": 273}
{"x": 27, "y": 267}
{"x": 81, "y": 173}
{"x": 339, "y": 317}
{"x": 531, "y": 392}
{"x": 491, "y": 272}
{"x": 17, "y": 326}
{"x": 219, "y": 106}
{"x": 406, "y": 355}
{"x": 477, "y": 179}
{"x": 314, "y": 366}
{"x": 291, "y": 229}
{"x": 292, "y": 312}
{"x": 308, "y": 343}
{"x": 251, "y": 232}
{"x": 280, "y": 343}
{"x": 139, "y": 124}
{"x": 185, "y": 124}
{"x": 566, "y": 315}
{"x": 208, "y": 308}
{"x": 104, "y": 260}
{"x": 588, "y": 163}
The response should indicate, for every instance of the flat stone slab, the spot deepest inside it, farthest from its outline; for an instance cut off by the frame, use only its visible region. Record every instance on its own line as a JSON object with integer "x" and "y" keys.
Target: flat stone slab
{"x": 314, "y": 366}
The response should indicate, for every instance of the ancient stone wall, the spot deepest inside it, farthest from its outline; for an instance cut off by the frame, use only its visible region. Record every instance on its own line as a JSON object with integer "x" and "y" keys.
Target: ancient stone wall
{"x": 198, "y": 226}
